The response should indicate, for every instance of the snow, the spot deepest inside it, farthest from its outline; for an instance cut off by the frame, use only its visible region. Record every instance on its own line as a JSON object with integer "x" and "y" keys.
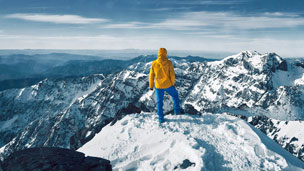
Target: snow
{"x": 20, "y": 92}
{"x": 83, "y": 94}
{"x": 290, "y": 129}
{"x": 294, "y": 76}
{"x": 2, "y": 149}
{"x": 211, "y": 141}
{"x": 147, "y": 96}
{"x": 8, "y": 123}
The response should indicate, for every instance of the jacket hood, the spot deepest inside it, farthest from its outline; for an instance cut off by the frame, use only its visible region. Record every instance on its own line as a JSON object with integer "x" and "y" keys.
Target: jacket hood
{"x": 162, "y": 56}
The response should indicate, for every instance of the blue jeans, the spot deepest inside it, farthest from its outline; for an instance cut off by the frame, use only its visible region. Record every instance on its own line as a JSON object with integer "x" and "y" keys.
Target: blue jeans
{"x": 160, "y": 98}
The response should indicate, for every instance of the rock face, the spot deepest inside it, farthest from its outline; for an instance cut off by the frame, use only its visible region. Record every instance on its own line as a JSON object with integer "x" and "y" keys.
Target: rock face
{"x": 252, "y": 82}
{"x": 1, "y": 166}
{"x": 69, "y": 112}
{"x": 289, "y": 134}
{"x": 53, "y": 159}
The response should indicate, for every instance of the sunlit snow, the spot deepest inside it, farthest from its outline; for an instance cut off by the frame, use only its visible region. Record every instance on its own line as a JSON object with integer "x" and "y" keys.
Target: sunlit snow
{"x": 211, "y": 141}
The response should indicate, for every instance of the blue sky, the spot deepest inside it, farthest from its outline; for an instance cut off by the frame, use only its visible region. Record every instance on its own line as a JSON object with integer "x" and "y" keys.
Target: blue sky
{"x": 204, "y": 25}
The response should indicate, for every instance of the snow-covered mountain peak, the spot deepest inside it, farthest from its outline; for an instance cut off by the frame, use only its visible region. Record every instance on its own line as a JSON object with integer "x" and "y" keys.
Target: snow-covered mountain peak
{"x": 260, "y": 84}
{"x": 255, "y": 62}
{"x": 207, "y": 142}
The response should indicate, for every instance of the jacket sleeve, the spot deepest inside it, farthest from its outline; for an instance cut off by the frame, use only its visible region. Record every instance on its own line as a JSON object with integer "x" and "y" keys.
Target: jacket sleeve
{"x": 151, "y": 77}
{"x": 172, "y": 74}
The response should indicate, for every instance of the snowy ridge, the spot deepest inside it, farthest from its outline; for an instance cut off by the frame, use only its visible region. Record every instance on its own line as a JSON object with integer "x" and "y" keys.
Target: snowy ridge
{"x": 250, "y": 82}
{"x": 289, "y": 134}
{"x": 208, "y": 142}
{"x": 71, "y": 122}
{"x": 23, "y": 107}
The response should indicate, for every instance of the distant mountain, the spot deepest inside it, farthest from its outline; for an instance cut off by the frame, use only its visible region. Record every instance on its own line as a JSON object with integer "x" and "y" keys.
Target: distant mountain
{"x": 19, "y": 83}
{"x": 48, "y": 59}
{"x": 18, "y": 70}
{"x": 68, "y": 112}
{"x": 9, "y": 72}
{"x": 23, "y": 70}
{"x": 22, "y": 66}
{"x": 85, "y": 68}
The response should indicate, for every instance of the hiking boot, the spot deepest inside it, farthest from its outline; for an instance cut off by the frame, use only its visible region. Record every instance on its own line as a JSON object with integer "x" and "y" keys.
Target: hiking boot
{"x": 161, "y": 120}
{"x": 180, "y": 112}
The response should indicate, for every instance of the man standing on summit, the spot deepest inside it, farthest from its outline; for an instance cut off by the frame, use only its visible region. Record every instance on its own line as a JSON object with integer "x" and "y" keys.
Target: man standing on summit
{"x": 163, "y": 72}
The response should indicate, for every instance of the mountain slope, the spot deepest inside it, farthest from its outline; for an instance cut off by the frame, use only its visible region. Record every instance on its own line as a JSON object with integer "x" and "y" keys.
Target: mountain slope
{"x": 85, "y": 68}
{"x": 35, "y": 110}
{"x": 19, "y": 70}
{"x": 207, "y": 142}
{"x": 73, "y": 117}
{"x": 253, "y": 84}
{"x": 69, "y": 112}
{"x": 289, "y": 134}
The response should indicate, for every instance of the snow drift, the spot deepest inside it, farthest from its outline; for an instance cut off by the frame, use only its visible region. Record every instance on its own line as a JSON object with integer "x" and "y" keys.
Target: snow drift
{"x": 207, "y": 142}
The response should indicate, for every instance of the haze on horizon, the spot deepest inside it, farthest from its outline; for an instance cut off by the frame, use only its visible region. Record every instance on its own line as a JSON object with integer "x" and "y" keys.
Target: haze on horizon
{"x": 218, "y": 26}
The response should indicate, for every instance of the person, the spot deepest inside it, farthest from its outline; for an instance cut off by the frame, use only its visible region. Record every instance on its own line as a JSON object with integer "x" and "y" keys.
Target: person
{"x": 163, "y": 72}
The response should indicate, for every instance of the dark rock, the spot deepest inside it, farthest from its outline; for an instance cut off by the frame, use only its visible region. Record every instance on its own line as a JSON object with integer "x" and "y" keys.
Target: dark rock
{"x": 169, "y": 112}
{"x": 53, "y": 159}
{"x": 301, "y": 153}
{"x": 283, "y": 66}
{"x": 0, "y": 166}
{"x": 130, "y": 109}
{"x": 186, "y": 163}
{"x": 300, "y": 64}
{"x": 188, "y": 108}
{"x": 231, "y": 62}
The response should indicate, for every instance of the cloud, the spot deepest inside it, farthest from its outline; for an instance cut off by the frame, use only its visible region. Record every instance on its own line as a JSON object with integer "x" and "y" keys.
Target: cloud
{"x": 220, "y": 21}
{"x": 168, "y": 9}
{"x": 280, "y": 14}
{"x": 284, "y": 47}
{"x": 230, "y": 21}
{"x": 58, "y": 19}
{"x": 129, "y": 25}
{"x": 213, "y": 2}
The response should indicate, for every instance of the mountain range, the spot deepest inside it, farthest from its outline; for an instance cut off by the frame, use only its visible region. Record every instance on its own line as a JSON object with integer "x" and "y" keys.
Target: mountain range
{"x": 263, "y": 89}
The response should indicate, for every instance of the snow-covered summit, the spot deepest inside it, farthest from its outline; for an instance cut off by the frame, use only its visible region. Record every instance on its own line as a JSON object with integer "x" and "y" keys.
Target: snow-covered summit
{"x": 207, "y": 142}
{"x": 253, "y": 61}
{"x": 260, "y": 84}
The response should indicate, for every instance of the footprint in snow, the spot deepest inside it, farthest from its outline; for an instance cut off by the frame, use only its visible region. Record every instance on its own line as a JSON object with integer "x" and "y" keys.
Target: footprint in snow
{"x": 124, "y": 123}
{"x": 172, "y": 143}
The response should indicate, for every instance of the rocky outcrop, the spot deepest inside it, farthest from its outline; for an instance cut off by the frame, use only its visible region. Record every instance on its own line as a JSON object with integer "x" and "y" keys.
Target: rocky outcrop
{"x": 286, "y": 133}
{"x": 53, "y": 159}
{"x": 130, "y": 109}
{"x": 1, "y": 166}
{"x": 260, "y": 84}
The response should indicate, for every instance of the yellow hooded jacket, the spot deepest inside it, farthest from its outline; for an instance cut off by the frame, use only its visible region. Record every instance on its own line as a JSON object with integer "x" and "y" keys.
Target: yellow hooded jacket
{"x": 162, "y": 70}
